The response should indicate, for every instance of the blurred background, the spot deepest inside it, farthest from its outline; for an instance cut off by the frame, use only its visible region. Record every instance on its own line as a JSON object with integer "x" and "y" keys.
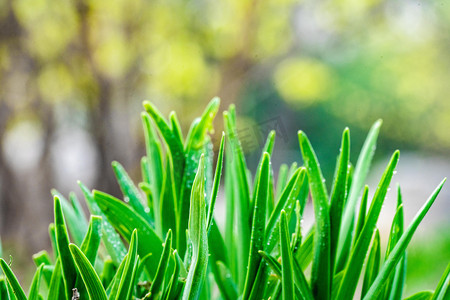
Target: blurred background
{"x": 73, "y": 75}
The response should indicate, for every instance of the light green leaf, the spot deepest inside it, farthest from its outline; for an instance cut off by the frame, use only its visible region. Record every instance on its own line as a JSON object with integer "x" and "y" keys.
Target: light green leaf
{"x": 424, "y": 295}
{"x": 373, "y": 263}
{"x": 159, "y": 277}
{"x": 443, "y": 289}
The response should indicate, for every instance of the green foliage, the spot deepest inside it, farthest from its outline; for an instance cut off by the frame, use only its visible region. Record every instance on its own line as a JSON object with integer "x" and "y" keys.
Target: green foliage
{"x": 267, "y": 256}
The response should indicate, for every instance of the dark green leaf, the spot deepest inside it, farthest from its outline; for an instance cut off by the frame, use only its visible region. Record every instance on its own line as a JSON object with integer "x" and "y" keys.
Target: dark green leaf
{"x": 158, "y": 280}
{"x": 129, "y": 270}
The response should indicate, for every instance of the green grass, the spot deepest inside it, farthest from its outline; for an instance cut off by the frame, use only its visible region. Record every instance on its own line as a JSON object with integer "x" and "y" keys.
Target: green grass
{"x": 161, "y": 241}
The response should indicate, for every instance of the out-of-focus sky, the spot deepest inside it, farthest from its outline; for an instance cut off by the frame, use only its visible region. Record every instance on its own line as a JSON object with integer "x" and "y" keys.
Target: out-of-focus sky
{"x": 73, "y": 75}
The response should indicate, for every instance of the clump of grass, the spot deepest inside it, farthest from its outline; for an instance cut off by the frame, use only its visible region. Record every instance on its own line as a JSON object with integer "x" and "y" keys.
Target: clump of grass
{"x": 162, "y": 241}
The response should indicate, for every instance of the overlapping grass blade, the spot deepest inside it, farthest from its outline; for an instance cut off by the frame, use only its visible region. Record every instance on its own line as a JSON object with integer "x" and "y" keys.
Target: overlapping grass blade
{"x": 69, "y": 272}
{"x": 3, "y": 288}
{"x": 305, "y": 254}
{"x": 373, "y": 263}
{"x": 197, "y": 144}
{"x": 358, "y": 254}
{"x": 301, "y": 282}
{"x": 216, "y": 184}
{"x": 198, "y": 236}
{"x": 56, "y": 288}
{"x": 129, "y": 270}
{"x": 163, "y": 262}
{"x": 76, "y": 223}
{"x": 394, "y": 285}
{"x": 357, "y": 184}
{"x": 42, "y": 257}
{"x": 398, "y": 251}
{"x": 33, "y": 293}
{"x": 320, "y": 276}
{"x": 338, "y": 195}
{"x": 287, "y": 280}
{"x": 241, "y": 202}
{"x": 12, "y": 279}
{"x": 173, "y": 142}
{"x": 258, "y": 226}
{"x": 91, "y": 241}
{"x": 361, "y": 215}
{"x": 226, "y": 284}
{"x": 168, "y": 201}
{"x": 125, "y": 220}
{"x": 90, "y": 278}
{"x": 281, "y": 180}
{"x": 111, "y": 239}
{"x": 130, "y": 191}
{"x": 424, "y": 295}
{"x": 152, "y": 164}
{"x": 286, "y": 202}
{"x": 443, "y": 288}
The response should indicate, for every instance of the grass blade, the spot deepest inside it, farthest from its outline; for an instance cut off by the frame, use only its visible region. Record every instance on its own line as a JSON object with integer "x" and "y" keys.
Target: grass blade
{"x": 125, "y": 220}
{"x": 111, "y": 239}
{"x": 216, "y": 184}
{"x": 320, "y": 276}
{"x": 91, "y": 241}
{"x": 287, "y": 202}
{"x": 159, "y": 277}
{"x": 424, "y": 295}
{"x": 338, "y": 195}
{"x": 373, "y": 264}
{"x": 3, "y": 288}
{"x": 153, "y": 163}
{"x": 168, "y": 201}
{"x": 198, "y": 236}
{"x": 281, "y": 180}
{"x": 357, "y": 184}
{"x": 69, "y": 272}
{"x": 287, "y": 280}
{"x": 90, "y": 278}
{"x": 130, "y": 191}
{"x": 35, "y": 283}
{"x": 358, "y": 254}
{"x": 129, "y": 270}
{"x": 12, "y": 279}
{"x": 242, "y": 197}
{"x": 258, "y": 227}
{"x": 443, "y": 289}
{"x": 76, "y": 225}
{"x": 400, "y": 247}
{"x": 226, "y": 285}
{"x": 56, "y": 289}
